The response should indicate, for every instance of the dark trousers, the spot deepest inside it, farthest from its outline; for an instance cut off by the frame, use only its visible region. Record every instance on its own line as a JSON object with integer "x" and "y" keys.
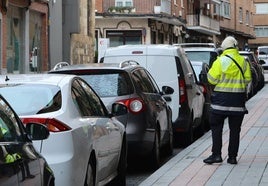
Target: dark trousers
{"x": 216, "y": 124}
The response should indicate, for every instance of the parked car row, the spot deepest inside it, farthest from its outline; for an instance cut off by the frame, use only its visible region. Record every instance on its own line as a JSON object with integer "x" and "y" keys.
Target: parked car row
{"x": 85, "y": 121}
{"x": 208, "y": 52}
{"x": 148, "y": 121}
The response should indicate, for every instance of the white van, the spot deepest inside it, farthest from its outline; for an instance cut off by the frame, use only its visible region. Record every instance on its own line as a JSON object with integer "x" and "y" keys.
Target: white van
{"x": 169, "y": 66}
{"x": 263, "y": 55}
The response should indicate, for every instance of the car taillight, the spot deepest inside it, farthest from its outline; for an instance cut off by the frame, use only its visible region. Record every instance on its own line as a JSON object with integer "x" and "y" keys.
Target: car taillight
{"x": 183, "y": 93}
{"x": 203, "y": 89}
{"x": 52, "y": 124}
{"x": 135, "y": 105}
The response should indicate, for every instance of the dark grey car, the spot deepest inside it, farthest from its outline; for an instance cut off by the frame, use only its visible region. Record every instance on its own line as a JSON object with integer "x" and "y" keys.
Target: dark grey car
{"x": 20, "y": 163}
{"x": 148, "y": 122}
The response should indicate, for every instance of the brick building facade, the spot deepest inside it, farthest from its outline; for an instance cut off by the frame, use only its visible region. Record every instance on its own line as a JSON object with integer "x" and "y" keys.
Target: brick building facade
{"x": 24, "y": 36}
{"x": 260, "y": 21}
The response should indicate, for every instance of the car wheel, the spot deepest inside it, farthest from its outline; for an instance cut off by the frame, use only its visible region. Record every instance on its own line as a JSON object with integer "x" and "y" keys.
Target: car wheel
{"x": 155, "y": 155}
{"x": 168, "y": 150}
{"x": 122, "y": 166}
{"x": 91, "y": 174}
{"x": 200, "y": 130}
{"x": 188, "y": 136}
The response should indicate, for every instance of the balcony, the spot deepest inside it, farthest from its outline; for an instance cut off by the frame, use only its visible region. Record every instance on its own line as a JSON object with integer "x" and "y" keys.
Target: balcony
{"x": 203, "y": 24}
{"x": 123, "y": 9}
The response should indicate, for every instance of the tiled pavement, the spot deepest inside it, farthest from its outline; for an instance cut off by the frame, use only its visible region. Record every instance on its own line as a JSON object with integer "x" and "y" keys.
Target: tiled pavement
{"x": 187, "y": 167}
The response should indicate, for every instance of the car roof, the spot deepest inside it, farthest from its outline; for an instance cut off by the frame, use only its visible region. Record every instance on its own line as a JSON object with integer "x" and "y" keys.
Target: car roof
{"x": 197, "y": 62}
{"x": 200, "y": 49}
{"x": 140, "y": 49}
{"x": 196, "y": 45}
{"x": 125, "y": 65}
{"x": 246, "y": 52}
{"x": 52, "y": 79}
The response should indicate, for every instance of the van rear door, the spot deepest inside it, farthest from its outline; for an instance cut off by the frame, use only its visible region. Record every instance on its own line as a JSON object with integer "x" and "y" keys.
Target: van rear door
{"x": 164, "y": 71}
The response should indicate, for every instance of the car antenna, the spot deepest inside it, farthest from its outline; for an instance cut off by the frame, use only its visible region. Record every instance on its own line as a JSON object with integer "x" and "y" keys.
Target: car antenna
{"x": 6, "y": 78}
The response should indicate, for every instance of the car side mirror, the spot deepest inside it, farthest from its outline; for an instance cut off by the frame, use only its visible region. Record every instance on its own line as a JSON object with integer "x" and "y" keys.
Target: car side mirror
{"x": 261, "y": 61}
{"x": 37, "y": 131}
{"x": 203, "y": 78}
{"x": 119, "y": 109}
{"x": 167, "y": 90}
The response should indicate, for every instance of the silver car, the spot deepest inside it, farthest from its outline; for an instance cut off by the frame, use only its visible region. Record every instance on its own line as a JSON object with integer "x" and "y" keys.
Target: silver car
{"x": 87, "y": 145}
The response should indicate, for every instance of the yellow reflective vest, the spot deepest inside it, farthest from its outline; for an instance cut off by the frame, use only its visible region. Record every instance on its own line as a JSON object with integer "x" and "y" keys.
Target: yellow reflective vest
{"x": 225, "y": 74}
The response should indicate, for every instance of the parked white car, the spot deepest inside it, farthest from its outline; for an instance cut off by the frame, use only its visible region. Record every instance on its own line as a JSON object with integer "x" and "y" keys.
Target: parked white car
{"x": 86, "y": 143}
{"x": 263, "y": 55}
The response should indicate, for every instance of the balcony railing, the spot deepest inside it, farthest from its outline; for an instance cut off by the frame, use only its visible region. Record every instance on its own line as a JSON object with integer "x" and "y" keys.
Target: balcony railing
{"x": 204, "y": 22}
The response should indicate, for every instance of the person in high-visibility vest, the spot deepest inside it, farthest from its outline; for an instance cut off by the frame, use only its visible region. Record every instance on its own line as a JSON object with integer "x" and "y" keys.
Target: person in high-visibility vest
{"x": 230, "y": 75}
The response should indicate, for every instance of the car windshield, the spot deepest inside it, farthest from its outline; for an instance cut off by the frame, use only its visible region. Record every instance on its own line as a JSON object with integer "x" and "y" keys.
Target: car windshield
{"x": 109, "y": 84}
{"x": 29, "y": 99}
{"x": 205, "y": 56}
{"x": 9, "y": 125}
{"x": 197, "y": 70}
{"x": 250, "y": 56}
{"x": 263, "y": 51}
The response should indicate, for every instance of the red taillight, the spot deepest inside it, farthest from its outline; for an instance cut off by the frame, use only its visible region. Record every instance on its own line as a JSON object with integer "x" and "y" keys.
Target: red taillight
{"x": 203, "y": 89}
{"x": 52, "y": 124}
{"x": 134, "y": 105}
{"x": 183, "y": 93}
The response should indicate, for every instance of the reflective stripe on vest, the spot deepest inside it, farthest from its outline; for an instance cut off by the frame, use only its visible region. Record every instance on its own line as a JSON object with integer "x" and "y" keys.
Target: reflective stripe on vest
{"x": 226, "y": 108}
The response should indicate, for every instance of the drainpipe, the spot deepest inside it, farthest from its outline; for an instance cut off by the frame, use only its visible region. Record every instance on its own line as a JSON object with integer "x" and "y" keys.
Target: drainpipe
{"x": 235, "y": 16}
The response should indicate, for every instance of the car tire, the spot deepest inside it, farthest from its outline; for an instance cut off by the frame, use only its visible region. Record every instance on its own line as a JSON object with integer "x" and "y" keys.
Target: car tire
{"x": 91, "y": 174}
{"x": 200, "y": 130}
{"x": 120, "y": 179}
{"x": 168, "y": 150}
{"x": 155, "y": 155}
{"x": 188, "y": 136}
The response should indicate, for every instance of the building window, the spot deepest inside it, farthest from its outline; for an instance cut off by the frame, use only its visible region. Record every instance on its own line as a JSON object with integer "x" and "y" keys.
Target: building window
{"x": 14, "y": 50}
{"x": 119, "y": 3}
{"x": 153, "y": 37}
{"x": 122, "y": 3}
{"x": 216, "y": 9}
{"x": 226, "y": 9}
{"x": 128, "y": 3}
{"x": 261, "y": 31}
{"x": 124, "y": 37}
{"x": 247, "y": 18}
{"x": 35, "y": 42}
{"x": 251, "y": 20}
{"x": 160, "y": 37}
{"x": 240, "y": 14}
{"x": 261, "y": 8}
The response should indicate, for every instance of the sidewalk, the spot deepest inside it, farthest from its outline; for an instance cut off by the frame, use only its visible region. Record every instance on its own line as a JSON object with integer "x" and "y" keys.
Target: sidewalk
{"x": 187, "y": 168}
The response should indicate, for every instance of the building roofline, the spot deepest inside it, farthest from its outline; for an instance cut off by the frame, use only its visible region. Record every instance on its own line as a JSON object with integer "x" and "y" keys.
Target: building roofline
{"x": 158, "y": 17}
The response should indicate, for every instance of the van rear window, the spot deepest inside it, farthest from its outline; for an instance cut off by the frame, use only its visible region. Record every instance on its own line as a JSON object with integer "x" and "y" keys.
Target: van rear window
{"x": 263, "y": 51}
